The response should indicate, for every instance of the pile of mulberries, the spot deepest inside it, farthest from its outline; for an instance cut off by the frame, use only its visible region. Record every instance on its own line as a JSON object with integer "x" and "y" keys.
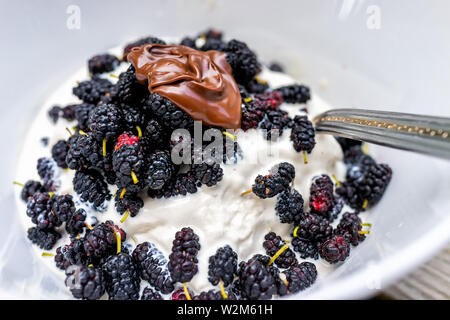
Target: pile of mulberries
{"x": 321, "y": 200}
{"x": 123, "y": 137}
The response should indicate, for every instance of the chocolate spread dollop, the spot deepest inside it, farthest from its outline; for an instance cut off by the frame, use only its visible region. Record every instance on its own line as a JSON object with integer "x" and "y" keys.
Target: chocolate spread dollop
{"x": 199, "y": 82}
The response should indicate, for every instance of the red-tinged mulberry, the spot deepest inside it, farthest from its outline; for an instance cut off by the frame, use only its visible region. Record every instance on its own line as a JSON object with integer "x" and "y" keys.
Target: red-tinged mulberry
{"x": 335, "y": 249}
{"x": 129, "y": 163}
{"x": 349, "y": 227}
{"x": 181, "y": 295}
{"x": 300, "y": 277}
{"x": 321, "y": 199}
{"x": 106, "y": 122}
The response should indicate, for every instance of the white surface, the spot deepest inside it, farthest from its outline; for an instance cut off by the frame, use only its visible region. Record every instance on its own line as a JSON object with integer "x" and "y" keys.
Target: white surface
{"x": 402, "y": 66}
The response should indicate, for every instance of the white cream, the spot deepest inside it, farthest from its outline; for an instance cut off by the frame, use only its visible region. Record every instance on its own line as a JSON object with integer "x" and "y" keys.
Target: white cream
{"x": 219, "y": 215}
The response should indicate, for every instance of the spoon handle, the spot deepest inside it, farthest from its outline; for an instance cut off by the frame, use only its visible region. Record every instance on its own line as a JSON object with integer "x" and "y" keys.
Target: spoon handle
{"x": 412, "y": 132}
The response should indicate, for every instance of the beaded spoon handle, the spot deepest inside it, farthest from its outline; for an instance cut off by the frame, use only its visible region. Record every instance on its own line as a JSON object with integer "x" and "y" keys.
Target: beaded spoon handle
{"x": 412, "y": 132}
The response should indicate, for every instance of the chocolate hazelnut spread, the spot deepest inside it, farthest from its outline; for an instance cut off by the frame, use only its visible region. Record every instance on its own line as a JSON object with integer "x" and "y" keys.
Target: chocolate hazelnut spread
{"x": 201, "y": 83}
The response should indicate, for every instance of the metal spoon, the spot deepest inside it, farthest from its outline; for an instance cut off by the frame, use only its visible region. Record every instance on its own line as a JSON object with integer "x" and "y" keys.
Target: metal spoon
{"x": 412, "y": 132}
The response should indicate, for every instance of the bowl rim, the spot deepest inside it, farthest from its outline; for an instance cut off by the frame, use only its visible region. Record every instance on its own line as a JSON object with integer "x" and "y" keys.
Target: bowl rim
{"x": 394, "y": 267}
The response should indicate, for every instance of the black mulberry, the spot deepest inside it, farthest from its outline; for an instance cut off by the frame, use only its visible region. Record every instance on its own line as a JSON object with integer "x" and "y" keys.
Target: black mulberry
{"x": 272, "y": 244}
{"x": 303, "y": 134}
{"x": 152, "y": 267}
{"x": 335, "y": 249}
{"x": 121, "y": 277}
{"x": 289, "y": 207}
{"x": 43, "y": 238}
{"x": 183, "y": 263}
{"x": 223, "y": 266}
{"x": 92, "y": 188}
{"x": 102, "y": 63}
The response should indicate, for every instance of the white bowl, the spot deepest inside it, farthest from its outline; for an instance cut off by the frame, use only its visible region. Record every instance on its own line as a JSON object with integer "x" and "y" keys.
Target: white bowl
{"x": 392, "y": 56}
